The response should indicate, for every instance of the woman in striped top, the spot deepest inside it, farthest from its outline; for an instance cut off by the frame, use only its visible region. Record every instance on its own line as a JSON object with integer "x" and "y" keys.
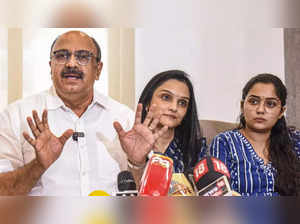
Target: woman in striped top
{"x": 262, "y": 154}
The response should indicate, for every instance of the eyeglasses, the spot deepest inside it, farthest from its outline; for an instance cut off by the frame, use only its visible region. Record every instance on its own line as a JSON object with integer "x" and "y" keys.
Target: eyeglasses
{"x": 269, "y": 103}
{"x": 82, "y": 57}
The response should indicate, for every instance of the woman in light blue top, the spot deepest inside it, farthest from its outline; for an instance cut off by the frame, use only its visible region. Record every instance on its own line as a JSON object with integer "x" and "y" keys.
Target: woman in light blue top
{"x": 262, "y": 154}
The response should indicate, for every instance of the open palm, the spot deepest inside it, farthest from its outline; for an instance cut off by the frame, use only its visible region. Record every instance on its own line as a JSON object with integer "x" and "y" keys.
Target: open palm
{"x": 47, "y": 146}
{"x": 138, "y": 141}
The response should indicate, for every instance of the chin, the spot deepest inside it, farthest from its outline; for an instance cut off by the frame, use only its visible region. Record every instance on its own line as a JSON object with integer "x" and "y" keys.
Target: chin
{"x": 73, "y": 89}
{"x": 260, "y": 128}
{"x": 169, "y": 124}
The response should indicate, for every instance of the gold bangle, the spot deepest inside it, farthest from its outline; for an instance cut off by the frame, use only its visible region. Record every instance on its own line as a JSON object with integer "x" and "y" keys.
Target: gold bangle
{"x": 135, "y": 167}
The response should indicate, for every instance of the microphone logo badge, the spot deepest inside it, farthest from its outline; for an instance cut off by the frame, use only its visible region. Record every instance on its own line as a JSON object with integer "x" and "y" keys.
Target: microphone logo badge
{"x": 163, "y": 161}
{"x": 200, "y": 170}
{"x": 220, "y": 167}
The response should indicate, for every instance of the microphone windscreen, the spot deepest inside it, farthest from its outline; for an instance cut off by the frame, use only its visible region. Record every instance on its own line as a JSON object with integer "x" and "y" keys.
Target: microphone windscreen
{"x": 157, "y": 176}
{"x": 126, "y": 181}
{"x": 209, "y": 170}
{"x": 99, "y": 193}
{"x": 180, "y": 186}
{"x": 219, "y": 187}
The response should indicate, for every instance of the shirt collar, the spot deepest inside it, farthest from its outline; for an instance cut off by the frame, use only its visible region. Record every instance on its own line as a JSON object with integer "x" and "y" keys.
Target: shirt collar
{"x": 100, "y": 100}
{"x": 54, "y": 101}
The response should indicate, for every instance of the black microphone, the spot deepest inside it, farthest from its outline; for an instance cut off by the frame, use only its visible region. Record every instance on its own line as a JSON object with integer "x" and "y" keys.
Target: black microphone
{"x": 126, "y": 184}
{"x": 76, "y": 135}
{"x": 212, "y": 177}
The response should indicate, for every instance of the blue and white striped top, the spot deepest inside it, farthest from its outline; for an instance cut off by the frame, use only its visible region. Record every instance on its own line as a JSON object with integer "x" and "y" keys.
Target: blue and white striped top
{"x": 249, "y": 175}
{"x": 174, "y": 152}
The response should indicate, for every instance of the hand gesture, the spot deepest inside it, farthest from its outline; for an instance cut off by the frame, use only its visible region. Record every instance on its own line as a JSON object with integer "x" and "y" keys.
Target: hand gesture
{"x": 47, "y": 146}
{"x": 139, "y": 141}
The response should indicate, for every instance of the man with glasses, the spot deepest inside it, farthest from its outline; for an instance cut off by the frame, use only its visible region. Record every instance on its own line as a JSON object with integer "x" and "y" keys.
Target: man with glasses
{"x": 33, "y": 160}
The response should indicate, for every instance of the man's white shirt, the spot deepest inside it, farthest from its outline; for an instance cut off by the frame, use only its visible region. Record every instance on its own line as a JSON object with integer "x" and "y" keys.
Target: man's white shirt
{"x": 90, "y": 163}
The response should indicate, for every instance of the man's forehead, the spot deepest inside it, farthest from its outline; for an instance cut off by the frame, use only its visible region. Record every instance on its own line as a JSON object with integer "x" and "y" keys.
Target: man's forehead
{"x": 74, "y": 40}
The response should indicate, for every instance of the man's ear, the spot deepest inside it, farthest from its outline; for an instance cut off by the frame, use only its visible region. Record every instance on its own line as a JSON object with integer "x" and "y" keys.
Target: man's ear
{"x": 283, "y": 109}
{"x": 99, "y": 69}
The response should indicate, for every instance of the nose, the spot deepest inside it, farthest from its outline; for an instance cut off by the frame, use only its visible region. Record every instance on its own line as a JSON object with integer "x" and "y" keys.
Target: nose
{"x": 261, "y": 107}
{"x": 71, "y": 61}
{"x": 173, "y": 106}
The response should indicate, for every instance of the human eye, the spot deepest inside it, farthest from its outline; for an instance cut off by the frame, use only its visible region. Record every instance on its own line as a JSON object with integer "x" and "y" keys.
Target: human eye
{"x": 83, "y": 57}
{"x": 271, "y": 103}
{"x": 253, "y": 101}
{"x": 183, "y": 103}
{"x": 165, "y": 97}
{"x": 61, "y": 55}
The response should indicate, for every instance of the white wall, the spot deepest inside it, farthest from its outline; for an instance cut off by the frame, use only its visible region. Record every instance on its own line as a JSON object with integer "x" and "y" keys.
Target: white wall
{"x": 220, "y": 61}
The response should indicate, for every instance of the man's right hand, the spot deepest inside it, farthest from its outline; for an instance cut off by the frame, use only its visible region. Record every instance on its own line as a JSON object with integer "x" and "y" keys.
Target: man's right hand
{"x": 47, "y": 146}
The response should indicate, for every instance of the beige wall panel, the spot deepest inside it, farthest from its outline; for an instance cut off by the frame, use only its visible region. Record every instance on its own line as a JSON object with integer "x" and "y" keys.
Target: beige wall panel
{"x": 15, "y": 63}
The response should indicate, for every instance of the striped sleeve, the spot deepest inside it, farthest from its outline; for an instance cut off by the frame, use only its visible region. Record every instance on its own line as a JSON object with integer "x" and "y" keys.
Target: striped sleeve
{"x": 295, "y": 136}
{"x": 219, "y": 148}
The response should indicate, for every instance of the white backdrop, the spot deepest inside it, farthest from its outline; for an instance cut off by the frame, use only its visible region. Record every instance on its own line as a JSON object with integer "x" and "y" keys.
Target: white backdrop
{"x": 219, "y": 60}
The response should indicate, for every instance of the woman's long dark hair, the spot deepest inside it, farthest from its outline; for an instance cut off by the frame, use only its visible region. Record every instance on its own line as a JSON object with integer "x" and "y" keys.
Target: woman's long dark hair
{"x": 281, "y": 152}
{"x": 188, "y": 132}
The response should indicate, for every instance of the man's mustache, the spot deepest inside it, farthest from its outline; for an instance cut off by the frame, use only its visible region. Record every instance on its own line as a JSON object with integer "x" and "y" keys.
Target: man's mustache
{"x": 70, "y": 71}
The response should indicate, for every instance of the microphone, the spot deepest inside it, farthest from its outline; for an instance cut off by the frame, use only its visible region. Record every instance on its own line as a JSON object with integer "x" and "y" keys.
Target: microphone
{"x": 76, "y": 135}
{"x": 126, "y": 184}
{"x": 157, "y": 176}
{"x": 212, "y": 177}
{"x": 99, "y": 193}
{"x": 180, "y": 186}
